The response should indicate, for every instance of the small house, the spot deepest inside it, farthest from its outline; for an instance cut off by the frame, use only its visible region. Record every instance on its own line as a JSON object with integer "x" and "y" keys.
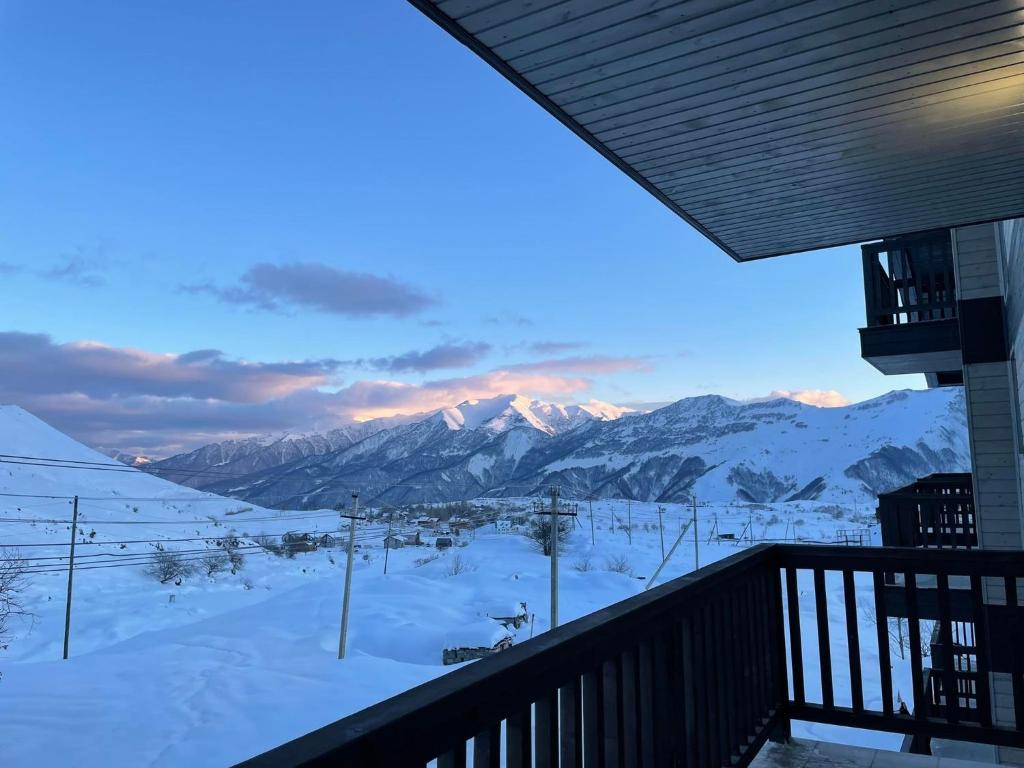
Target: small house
{"x": 394, "y": 542}
{"x": 412, "y": 539}
{"x": 294, "y": 541}
{"x": 503, "y": 525}
{"x": 443, "y": 542}
{"x": 327, "y": 541}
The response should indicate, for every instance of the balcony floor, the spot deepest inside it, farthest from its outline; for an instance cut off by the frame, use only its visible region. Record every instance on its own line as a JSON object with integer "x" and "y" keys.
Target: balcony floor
{"x": 810, "y": 754}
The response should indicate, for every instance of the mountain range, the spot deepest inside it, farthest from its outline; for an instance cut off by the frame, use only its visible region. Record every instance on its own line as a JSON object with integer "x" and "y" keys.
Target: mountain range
{"x": 710, "y": 447}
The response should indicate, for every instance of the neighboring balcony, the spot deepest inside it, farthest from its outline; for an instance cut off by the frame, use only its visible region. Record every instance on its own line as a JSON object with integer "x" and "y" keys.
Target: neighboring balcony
{"x": 701, "y": 671}
{"x": 934, "y": 512}
{"x": 910, "y": 296}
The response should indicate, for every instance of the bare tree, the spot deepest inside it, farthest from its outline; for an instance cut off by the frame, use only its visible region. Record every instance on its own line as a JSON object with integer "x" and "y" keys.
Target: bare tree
{"x": 457, "y": 564}
{"x": 169, "y": 566}
{"x": 215, "y": 562}
{"x": 13, "y": 581}
{"x": 539, "y": 533}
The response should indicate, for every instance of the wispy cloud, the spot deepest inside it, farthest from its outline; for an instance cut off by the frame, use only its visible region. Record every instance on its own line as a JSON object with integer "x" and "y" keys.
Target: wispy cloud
{"x": 450, "y": 355}
{"x": 320, "y": 287}
{"x": 554, "y": 347}
{"x": 586, "y": 364}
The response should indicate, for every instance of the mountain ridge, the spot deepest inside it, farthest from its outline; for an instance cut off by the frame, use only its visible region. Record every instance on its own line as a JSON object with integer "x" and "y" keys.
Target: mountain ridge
{"x": 709, "y": 446}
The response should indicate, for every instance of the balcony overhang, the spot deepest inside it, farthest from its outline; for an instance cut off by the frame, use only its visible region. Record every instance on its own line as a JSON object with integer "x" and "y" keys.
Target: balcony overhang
{"x": 928, "y": 347}
{"x": 778, "y": 127}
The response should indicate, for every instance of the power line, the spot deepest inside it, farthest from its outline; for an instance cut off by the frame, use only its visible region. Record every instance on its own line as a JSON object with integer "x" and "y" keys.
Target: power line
{"x": 10, "y": 458}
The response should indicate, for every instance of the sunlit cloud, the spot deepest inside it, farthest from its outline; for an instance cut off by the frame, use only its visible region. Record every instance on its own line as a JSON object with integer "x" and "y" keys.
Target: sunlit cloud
{"x": 822, "y": 398}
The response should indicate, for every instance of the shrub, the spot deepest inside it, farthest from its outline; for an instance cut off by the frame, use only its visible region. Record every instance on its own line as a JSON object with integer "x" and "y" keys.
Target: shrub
{"x": 457, "y": 564}
{"x": 618, "y": 564}
{"x": 583, "y": 564}
{"x": 215, "y": 562}
{"x": 169, "y": 566}
{"x": 539, "y": 533}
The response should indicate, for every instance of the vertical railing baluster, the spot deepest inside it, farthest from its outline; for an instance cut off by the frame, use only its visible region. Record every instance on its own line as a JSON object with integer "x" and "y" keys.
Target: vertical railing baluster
{"x": 949, "y": 677}
{"x": 692, "y": 734}
{"x": 612, "y": 713}
{"x": 628, "y": 708}
{"x": 519, "y": 739}
{"x": 645, "y": 700}
{"x": 487, "y": 748}
{"x": 453, "y": 758}
{"x": 593, "y": 720}
{"x": 853, "y": 641}
{"x": 824, "y": 646}
{"x": 795, "y": 642}
{"x": 570, "y": 724}
{"x": 726, "y": 631}
{"x": 914, "y": 631}
{"x": 546, "y": 724}
{"x": 981, "y": 652}
{"x": 1016, "y": 640}
{"x": 720, "y": 711}
{"x": 882, "y": 631}
{"x": 777, "y": 633}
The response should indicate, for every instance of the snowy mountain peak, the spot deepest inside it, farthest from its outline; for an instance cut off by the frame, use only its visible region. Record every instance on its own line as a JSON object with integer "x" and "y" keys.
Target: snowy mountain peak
{"x": 504, "y": 412}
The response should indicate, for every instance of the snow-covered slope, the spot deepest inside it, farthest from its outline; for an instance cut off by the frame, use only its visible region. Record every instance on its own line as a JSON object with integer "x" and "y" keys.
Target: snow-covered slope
{"x": 711, "y": 446}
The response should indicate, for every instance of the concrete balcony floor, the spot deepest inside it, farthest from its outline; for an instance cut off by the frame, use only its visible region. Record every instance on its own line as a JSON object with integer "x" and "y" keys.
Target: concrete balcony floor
{"x": 810, "y": 754}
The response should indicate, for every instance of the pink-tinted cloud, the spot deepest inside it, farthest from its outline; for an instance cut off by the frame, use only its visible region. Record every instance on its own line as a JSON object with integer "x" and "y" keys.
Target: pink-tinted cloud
{"x": 822, "y": 398}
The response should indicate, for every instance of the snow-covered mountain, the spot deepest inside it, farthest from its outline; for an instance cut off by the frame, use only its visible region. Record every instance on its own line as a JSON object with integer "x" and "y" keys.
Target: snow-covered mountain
{"x": 710, "y": 446}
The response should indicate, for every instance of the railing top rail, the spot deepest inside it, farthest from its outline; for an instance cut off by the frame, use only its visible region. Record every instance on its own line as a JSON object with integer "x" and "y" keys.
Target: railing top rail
{"x": 461, "y": 703}
{"x": 959, "y": 562}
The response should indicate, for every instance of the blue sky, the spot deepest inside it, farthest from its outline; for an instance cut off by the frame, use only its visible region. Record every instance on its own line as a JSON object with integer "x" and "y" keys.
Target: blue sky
{"x": 173, "y": 172}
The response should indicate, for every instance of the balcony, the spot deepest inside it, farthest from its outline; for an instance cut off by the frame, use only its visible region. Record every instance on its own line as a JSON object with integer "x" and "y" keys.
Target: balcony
{"x": 934, "y": 512}
{"x": 910, "y": 297}
{"x": 704, "y": 670}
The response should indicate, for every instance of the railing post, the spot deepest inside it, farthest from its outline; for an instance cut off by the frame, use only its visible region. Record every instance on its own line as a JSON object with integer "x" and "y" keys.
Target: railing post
{"x": 782, "y": 730}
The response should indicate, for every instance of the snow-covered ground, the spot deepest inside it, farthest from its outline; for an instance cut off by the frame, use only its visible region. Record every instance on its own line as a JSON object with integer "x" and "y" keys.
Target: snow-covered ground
{"x": 218, "y": 668}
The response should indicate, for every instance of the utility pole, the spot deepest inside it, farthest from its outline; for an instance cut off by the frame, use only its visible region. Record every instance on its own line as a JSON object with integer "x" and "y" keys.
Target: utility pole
{"x": 348, "y": 574}
{"x": 661, "y": 530}
{"x": 387, "y": 540}
{"x": 750, "y": 524}
{"x": 629, "y": 520}
{"x": 71, "y": 574}
{"x": 554, "y": 556}
{"x": 696, "y": 540}
{"x": 590, "y": 504}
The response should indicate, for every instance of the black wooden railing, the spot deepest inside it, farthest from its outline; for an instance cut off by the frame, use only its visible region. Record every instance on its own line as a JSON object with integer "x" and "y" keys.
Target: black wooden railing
{"x": 909, "y": 279}
{"x": 700, "y": 671}
{"x": 936, "y": 511}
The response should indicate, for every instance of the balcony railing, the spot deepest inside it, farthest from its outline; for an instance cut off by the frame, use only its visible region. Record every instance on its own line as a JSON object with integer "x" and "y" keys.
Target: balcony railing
{"x": 934, "y": 512}
{"x": 702, "y": 670}
{"x": 909, "y": 279}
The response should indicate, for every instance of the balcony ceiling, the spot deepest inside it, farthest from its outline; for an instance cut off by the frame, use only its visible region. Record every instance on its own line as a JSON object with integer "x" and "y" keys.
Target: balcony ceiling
{"x": 777, "y": 126}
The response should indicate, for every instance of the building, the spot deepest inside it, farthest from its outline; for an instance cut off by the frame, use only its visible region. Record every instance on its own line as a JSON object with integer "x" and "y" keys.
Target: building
{"x": 778, "y": 128}
{"x": 394, "y": 541}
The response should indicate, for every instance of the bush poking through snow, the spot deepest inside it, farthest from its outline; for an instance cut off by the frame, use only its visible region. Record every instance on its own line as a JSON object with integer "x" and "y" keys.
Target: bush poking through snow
{"x": 169, "y": 566}
{"x": 618, "y": 564}
{"x": 457, "y": 564}
{"x": 13, "y": 580}
{"x": 419, "y": 562}
{"x": 583, "y": 564}
{"x": 215, "y": 563}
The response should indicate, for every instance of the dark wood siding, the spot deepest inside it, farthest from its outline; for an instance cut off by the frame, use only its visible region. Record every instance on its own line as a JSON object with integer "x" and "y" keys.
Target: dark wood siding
{"x": 776, "y": 126}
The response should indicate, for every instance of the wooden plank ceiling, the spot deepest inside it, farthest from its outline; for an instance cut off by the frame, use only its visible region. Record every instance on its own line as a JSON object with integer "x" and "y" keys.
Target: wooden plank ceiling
{"x": 777, "y": 126}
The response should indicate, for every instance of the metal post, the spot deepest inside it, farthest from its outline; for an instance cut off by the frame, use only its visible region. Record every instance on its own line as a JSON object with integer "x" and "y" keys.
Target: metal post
{"x": 71, "y": 574}
{"x": 696, "y": 540}
{"x": 387, "y": 540}
{"x": 661, "y": 530}
{"x": 629, "y": 519}
{"x": 554, "y": 556}
{"x": 590, "y": 503}
{"x": 348, "y": 575}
